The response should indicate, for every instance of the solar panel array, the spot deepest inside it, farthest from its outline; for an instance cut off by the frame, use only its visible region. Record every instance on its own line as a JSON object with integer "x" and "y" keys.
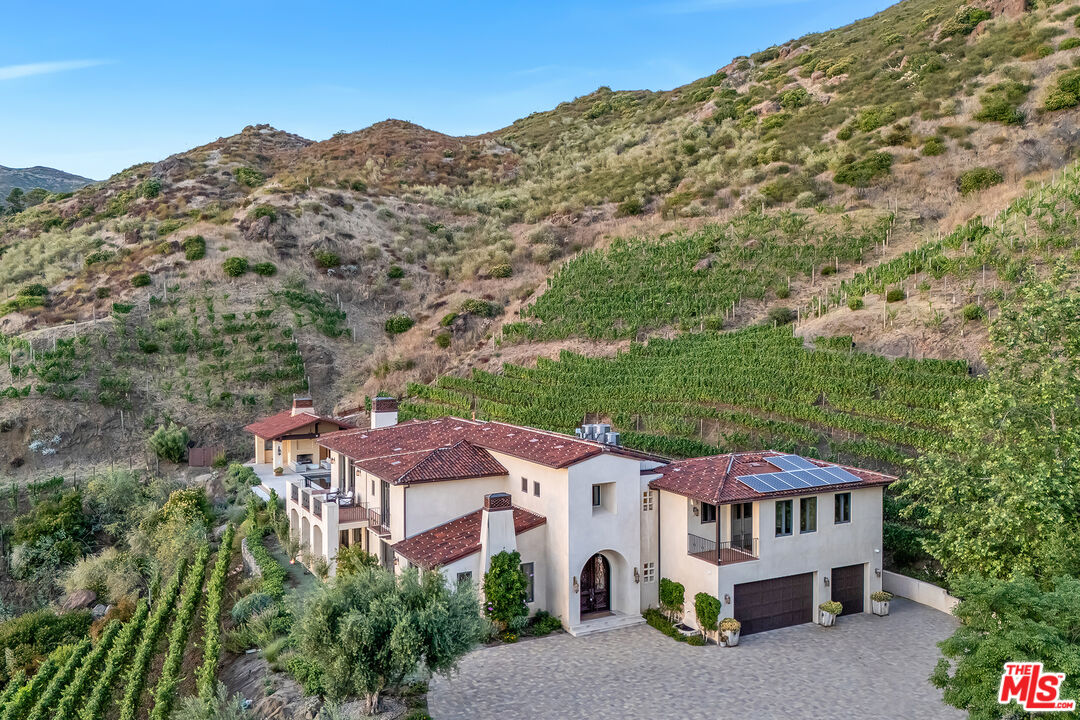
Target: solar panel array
{"x": 798, "y": 474}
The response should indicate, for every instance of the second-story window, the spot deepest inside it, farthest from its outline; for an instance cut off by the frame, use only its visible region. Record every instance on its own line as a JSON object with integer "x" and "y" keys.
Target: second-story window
{"x": 597, "y": 498}
{"x": 536, "y": 488}
{"x": 783, "y": 518}
{"x": 524, "y": 484}
{"x": 807, "y": 514}
{"x": 842, "y": 508}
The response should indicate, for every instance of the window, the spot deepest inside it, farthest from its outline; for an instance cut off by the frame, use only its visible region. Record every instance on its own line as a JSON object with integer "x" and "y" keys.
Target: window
{"x": 268, "y": 444}
{"x": 372, "y": 488}
{"x": 464, "y": 577}
{"x": 842, "y": 508}
{"x": 708, "y": 513}
{"x": 783, "y": 517}
{"x": 527, "y": 568}
{"x": 524, "y": 485}
{"x": 596, "y": 497}
{"x": 648, "y": 572}
{"x": 536, "y": 488}
{"x": 808, "y": 515}
{"x": 646, "y": 501}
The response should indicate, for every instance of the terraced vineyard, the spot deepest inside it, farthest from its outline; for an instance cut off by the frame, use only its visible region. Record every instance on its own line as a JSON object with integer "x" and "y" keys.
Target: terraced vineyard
{"x": 196, "y": 347}
{"x": 693, "y": 280}
{"x": 82, "y": 681}
{"x": 704, "y": 392}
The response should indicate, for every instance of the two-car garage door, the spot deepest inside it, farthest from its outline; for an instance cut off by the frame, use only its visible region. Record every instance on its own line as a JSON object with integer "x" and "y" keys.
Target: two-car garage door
{"x": 776, "y": 603}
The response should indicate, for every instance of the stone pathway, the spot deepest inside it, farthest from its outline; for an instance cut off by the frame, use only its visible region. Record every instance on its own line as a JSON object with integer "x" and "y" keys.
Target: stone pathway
{"x": 866, "y": 667}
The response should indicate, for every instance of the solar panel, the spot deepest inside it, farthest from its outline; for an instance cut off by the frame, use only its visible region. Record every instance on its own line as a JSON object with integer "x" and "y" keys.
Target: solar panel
{"x": 792, "y": 462}
{"x": 783, "y": 462}
{"x": 755, "y": 482}
{"x": 843, "y": 475}
{"x": 807, "y": 477}
{"x": 800, "y": 479}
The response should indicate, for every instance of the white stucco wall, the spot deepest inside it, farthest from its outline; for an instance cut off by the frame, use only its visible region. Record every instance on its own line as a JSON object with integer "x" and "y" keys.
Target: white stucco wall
{"x": 431, "y": 504}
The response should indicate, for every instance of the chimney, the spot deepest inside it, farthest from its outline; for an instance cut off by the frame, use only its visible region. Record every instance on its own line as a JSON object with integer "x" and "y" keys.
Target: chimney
{"x": 383, "y": 412}
{"x": 302, "y": 404}
{"x": 497, "y": 526}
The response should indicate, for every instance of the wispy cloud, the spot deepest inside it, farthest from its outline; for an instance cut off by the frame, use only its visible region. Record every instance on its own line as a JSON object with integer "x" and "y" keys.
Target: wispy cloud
{"x": 688, "y": 7}
{"x": 11, "y": 72}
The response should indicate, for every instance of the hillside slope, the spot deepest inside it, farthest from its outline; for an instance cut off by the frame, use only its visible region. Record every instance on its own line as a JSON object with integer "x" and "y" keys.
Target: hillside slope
{"x": 46, "y": 178}
{"x": 209, "y": 286}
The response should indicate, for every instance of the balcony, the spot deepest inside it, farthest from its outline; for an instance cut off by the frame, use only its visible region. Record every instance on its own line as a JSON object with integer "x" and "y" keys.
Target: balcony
{"x": 380, "y": 522}
{"x": 741, "y": 549}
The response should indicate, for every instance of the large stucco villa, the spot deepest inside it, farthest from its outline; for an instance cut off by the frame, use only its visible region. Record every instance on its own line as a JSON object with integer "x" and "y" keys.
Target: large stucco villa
{"x": 597, "y": 525}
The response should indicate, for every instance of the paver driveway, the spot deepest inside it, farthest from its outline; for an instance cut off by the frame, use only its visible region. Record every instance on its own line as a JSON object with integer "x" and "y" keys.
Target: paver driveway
{"x": 866, "y": 667}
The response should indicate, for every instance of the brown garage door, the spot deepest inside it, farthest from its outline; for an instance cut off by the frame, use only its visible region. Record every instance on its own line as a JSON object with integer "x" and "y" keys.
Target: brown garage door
{"x": 847, "y": 588}
{"x": 770, "y": 604}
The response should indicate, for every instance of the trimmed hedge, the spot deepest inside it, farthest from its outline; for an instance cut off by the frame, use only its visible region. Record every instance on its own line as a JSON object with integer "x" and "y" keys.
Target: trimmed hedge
{"x": 707, "y": 608}
{"x": 273, "y": 575}
{"x": 656, "y": 618}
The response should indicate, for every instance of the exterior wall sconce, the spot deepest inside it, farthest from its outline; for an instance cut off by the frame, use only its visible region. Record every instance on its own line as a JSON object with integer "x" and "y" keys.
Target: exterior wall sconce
{"x": 637, "y": 576}
{"x": 575, "y": 585}
{"x": 826, "y": 581}
{"x": 877, "y": 571}
{"x": 727, "y": 599}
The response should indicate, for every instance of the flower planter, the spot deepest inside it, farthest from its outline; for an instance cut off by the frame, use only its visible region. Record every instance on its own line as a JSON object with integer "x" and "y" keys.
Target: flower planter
{"x": 880, "y": 607}
{"x": 827, "y": 619}
{"x": 731, "y": 638}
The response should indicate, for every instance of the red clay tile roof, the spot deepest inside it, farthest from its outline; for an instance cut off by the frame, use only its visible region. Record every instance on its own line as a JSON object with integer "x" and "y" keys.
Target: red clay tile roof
{"x": 715, "y": 479}
{"x": 457, "y": 462}
{"x": 285, "y": 422}
{"x": 539, "y": 446}
{"x": 457, "y": 539}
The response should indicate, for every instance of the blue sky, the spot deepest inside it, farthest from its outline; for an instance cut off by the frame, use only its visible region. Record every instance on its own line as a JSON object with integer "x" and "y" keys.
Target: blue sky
{"x": 93, "y": 88}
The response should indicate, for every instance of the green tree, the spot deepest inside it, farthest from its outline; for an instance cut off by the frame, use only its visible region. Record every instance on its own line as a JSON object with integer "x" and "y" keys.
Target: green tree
{"x": 369, "y": 631}
{"x": 1008, "y": 621}
{"x": 36, "y": 197}
{"x": 505, "y": 589}
{"x": 15, "y": 200}
{"x": 1002, "y": 495}
{"x": 169, "y": 442}
{"x": 350, "y": 560}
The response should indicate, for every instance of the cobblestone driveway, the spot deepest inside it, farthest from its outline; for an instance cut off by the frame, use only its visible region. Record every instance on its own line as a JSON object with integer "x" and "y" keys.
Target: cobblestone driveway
{"x": 866, "y": 667}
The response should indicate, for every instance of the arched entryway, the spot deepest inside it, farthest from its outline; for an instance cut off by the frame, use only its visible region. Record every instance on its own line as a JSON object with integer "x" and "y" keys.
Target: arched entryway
{"x": 596, "y": 586}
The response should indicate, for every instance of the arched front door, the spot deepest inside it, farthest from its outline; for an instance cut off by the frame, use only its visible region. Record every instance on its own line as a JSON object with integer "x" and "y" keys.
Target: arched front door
{"x": 595, "y": 585}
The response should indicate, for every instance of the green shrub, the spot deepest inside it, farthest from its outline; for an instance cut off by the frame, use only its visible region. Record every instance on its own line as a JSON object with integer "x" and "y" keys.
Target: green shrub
{"x": 194, "y": 247}
{"x": 544, "y": 623}
{"x": 235, "y": 266}
{"x": 933, "y": 146}
{"x": 481, "y": 308}
{"x": 707, "y": 609}
{"x": 794, "y": 98}
{"x": 860, "y": 173}
{"x": 781, "y": 315}
{"x": 672, "y": 597}
{"x": 442, "y": 340}
{"x": 249, "y": 605}
{"x": 448, "y": 319}
{"x": 976, "y": 179}
{"x": 165, "y": 248}
{"x": 630, "y": 206}
{"x": 1066, "y": 93}
{"x": 266, "y": 269}
{"x": 502, "y": 270}
{"x": 871, "y": 118}
{"x": 263, "y": 211}
{"x": 845, "y": 133}
{"x": 140, "y": 280}
{"x": 505, "y": 589}
{"x": 696, "y": 641}
{"x": 1001, "y": 103}
{"x": 964, "y": 21}
{"x": 249, "y": 177}
{"x": 103, "y": 292}
{"x": 855, "y": 303}
{"x": 1069, "y": 43}
{"x": 397, "y": 324}
{"x": 832, "y": 607}
{"x": 395, "y": 272}
{"x": 972, "y": 312}
{"x": 149, "y": 188}
{"x": 307, "y": 673}
{"x": 894, "y": 295}
{"x": 169, "y": 442}
{"x": 326, "y": 258}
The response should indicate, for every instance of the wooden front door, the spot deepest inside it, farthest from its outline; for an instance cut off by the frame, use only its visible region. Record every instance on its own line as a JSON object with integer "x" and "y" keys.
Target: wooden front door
{"x": 595, "y": 581}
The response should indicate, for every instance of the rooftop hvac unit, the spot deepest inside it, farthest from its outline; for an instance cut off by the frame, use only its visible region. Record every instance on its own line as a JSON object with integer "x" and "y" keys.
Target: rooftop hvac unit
{"x": 579, "y": 432}
{"x": 601, "y": 430}
{"x": 611, "y": 438}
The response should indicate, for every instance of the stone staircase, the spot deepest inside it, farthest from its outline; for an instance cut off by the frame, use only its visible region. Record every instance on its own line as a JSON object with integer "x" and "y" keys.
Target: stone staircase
{"x": 611, "y": 622}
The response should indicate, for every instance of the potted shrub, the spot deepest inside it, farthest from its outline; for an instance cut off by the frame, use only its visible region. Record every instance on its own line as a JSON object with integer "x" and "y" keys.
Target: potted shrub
{"x": 880, "y": 602}
{"x": 279, "y": 470}
{"x": 729, "y": 631}
{"x": 829, "y": 610}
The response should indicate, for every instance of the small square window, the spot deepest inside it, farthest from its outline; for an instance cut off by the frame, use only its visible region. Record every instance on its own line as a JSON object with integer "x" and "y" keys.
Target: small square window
{"x": 464, "y": 577}
{"x": 524, "y": 485}
{"x": 648, "y": 572}
{"x": 528, "y": 569}
{"x": 536, "y": 488}
{"x": 708, "y": 513}
{"x": 596, "y": 496}
{"x": 646, "y": 501}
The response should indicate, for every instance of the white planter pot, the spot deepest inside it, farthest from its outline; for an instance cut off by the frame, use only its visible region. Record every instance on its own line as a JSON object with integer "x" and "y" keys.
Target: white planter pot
{"x": 827, "y": 619}
{"x": 880, "y": 607}
{"x": 731, "y": 638}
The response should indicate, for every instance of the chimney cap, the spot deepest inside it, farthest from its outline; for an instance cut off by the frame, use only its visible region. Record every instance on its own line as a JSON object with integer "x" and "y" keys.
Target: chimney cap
{"x": 497, "y": 501}
{"x": 384, "y": 404}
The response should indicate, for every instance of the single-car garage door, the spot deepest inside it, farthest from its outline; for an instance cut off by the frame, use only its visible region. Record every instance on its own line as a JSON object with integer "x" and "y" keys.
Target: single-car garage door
{"x": 847, "y": 588}
{"x": 770, "y": 604}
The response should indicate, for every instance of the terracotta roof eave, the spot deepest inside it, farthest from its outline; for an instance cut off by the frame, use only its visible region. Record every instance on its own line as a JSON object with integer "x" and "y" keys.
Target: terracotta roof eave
{"x": 423, "y": 481}
{"x": 751, "y": 494}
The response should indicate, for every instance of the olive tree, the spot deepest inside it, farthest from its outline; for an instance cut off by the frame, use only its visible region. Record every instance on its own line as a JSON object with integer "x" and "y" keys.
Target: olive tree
{"x": 371, "y": 629}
